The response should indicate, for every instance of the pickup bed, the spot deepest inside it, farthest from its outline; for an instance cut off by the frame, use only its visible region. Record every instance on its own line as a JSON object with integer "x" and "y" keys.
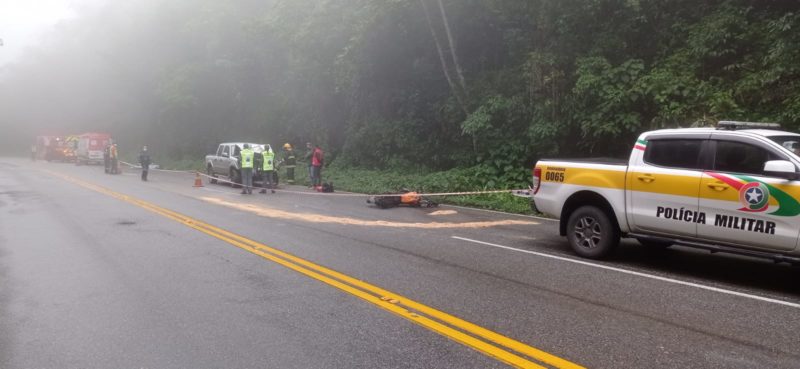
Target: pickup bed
{"x": 717, "y": 189}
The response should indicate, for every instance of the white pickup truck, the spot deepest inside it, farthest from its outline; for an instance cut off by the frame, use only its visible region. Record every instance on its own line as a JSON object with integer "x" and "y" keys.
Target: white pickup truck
{"x": 225, "y": 162}
{"x": 731, "y": 189}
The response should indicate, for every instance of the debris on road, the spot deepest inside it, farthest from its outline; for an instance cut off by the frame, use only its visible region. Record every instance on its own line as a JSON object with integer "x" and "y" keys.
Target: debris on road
{"x": 406, "y": 197}
{"x": 275, "y": 213}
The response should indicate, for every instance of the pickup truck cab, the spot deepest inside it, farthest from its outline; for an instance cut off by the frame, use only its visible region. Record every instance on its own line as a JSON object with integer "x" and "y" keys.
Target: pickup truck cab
{"x": 733, "y": 189}
{"x": 225, "y": 162}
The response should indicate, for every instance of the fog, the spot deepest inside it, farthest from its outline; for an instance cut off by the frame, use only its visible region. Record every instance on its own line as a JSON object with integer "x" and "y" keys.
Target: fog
{"x": 412, "y": 84}
{"x": 144, "y": 71}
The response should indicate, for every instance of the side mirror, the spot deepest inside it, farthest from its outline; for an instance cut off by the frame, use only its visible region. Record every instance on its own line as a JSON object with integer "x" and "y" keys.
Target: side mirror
{"x": 780, "y": 169}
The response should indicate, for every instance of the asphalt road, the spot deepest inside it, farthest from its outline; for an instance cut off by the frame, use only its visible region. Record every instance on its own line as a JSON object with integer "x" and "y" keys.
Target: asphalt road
{"x": 100, "y": 271}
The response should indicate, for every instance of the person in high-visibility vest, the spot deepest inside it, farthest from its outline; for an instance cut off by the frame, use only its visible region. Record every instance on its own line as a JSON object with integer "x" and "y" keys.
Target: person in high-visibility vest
{"x": 290, "y": 162}
{"x": 269, "y": 169}
{"x": 246, "y": 157}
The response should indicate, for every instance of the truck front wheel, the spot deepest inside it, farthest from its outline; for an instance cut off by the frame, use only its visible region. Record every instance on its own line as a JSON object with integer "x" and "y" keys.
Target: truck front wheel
{"x": 591, "y": 232}
{"x": 211, "y": 176}
{"x": 235, "y": 177}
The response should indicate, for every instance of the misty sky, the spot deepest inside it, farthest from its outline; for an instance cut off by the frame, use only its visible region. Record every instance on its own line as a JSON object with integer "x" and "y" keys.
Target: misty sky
{"x": 23, "y": 23}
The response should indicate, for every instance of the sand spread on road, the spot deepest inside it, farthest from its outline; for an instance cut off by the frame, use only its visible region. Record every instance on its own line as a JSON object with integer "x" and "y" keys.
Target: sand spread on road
{"x": 443, "y": 212}
{"x": 319, "y": 218}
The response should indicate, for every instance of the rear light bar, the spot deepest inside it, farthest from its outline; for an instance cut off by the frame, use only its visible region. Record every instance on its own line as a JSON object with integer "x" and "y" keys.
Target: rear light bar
{"x": 537, "y": 179}
{"x": 732, "y": 125}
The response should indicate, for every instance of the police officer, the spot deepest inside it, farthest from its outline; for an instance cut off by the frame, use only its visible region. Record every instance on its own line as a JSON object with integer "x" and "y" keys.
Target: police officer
{"x": 269, "y": 170}
{"x": 144, "y": 161}
{"x": 107, "y": 158}
{"x": 246, "y": 157}
{"x": 290, "y": 162}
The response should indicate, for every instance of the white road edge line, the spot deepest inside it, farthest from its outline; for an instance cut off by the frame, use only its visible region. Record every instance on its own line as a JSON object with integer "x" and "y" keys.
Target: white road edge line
{"x": 498, "y": 212}
{"x": 639, "y": 274}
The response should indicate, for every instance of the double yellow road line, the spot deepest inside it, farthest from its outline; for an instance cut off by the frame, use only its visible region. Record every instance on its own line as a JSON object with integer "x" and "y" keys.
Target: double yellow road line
{"x": 500, "y": 347}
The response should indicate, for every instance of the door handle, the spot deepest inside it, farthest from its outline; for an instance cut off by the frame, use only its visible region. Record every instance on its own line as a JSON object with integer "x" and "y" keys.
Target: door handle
{"x": 647, "y": 178}
{"x": 718, "y": 186}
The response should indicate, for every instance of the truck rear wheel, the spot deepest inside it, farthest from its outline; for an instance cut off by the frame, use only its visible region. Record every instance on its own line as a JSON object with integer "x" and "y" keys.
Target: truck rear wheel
{"x": 591, "y": 232}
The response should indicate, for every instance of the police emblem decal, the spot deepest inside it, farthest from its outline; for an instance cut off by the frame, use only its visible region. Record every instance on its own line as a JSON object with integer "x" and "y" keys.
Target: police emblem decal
{"x": 754, "y": 196}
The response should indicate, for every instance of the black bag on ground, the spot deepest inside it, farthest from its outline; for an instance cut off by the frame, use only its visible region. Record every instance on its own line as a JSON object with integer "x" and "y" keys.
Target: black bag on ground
{"x": 385, "y": 202}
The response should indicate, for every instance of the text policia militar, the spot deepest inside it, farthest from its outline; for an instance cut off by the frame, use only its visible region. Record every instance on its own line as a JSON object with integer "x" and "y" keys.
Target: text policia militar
{"x": 724, "y": 221}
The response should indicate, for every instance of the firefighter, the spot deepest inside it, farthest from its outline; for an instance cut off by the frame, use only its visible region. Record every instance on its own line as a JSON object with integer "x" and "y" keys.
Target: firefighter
{"x": 307, "y": 160}
{"x": 144, "y": 161}
{"x": 247, "y": 156}
{"x": 269, "y": 170}
{"x": 290, "y": 162}
{"x": 114, "y": 155}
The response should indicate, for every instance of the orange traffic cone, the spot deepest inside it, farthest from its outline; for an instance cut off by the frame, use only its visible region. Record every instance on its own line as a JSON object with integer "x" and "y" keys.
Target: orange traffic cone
{"x": 197, "y": 181}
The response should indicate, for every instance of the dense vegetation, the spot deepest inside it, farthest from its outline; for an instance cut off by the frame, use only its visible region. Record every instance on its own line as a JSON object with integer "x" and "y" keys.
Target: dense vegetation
{"x": 483, "y": 86}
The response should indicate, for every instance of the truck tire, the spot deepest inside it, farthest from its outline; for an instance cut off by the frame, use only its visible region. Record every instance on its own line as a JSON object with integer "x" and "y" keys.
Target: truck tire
{"x": 235, "y": 177}
{"x": 212, "y": 178}
{"x": 591, "y": 232}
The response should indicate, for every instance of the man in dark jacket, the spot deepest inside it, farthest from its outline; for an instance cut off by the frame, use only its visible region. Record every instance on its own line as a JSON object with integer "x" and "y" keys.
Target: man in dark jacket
{"x": 144, "y": 161}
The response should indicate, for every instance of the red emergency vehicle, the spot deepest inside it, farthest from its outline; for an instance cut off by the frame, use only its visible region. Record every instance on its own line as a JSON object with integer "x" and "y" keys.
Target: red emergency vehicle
{"x": 91, "y": 147}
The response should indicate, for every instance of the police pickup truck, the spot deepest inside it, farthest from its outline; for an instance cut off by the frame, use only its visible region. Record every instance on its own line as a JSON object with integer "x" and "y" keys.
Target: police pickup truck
{"x": 732, "y": 189}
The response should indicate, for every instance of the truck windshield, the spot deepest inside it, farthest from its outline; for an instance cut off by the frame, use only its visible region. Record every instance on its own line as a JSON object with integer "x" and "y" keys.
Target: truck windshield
{"x": 791, "y": 143}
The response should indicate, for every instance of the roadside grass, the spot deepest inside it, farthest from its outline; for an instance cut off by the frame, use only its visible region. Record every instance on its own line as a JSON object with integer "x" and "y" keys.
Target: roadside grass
{"x": 393, "y": 181}
{"x": 165, "y": 162}
{"x": 185, "y": 163}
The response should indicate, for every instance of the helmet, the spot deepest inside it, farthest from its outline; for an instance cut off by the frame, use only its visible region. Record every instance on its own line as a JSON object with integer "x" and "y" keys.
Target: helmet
{"x": 246, "y": 146}
{"x": 287, "y": 146}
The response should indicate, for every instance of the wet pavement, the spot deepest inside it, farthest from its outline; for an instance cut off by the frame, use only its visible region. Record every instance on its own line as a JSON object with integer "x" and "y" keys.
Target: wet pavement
{"x": 90, "y": 280}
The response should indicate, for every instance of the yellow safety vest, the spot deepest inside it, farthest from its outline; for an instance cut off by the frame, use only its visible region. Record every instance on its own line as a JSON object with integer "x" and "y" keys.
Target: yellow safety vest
{"x": 269, "y": 160}
{"x": 247, "y": 158}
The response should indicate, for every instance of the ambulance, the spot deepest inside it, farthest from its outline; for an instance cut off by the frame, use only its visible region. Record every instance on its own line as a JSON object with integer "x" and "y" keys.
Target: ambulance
{"x": 734, "y": 188}
{"x": 90, "y": 148}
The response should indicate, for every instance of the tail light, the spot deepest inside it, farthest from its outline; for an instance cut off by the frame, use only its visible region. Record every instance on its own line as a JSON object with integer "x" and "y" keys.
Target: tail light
{"x": 537, "y": 179}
